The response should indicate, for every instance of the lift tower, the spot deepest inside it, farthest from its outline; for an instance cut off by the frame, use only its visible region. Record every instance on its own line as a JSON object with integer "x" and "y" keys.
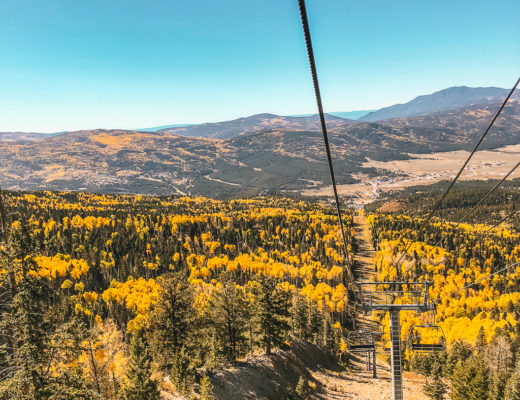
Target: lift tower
{"x": 382, "y": 296}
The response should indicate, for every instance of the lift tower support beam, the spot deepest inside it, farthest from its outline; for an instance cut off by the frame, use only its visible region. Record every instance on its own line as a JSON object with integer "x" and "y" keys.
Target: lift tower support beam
{"x": 395, "y": 348}
{"x": 373, "y": 300}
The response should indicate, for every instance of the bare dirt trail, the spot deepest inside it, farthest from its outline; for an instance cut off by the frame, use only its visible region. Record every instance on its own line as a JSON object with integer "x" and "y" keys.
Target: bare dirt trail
{"x": 364, "y": 270}
{"x": 364, "y": 258}
{"x": 357, "y": 383}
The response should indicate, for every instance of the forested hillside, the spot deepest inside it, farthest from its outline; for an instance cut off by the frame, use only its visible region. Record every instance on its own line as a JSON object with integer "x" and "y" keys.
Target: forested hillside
{"x": 105, "y": 296}
{"x": 132, "y": 297}
{"x": 467, "y": 202}
{"x": 475, "y": 270}
{"x": 261, "y": 154}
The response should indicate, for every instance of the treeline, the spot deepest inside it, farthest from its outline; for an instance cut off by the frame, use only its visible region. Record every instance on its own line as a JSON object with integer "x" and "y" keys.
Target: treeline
{"x": 120, "y": 297}
{"x": 419, "y": 200}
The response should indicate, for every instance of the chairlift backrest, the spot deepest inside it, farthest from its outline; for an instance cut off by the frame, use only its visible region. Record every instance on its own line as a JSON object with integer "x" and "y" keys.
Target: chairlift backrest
{"x": 361, "y": 341}
{"x": 417, "y": 342}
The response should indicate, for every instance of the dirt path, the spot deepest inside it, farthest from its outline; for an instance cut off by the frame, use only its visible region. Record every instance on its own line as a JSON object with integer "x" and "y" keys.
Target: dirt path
{"x": 364, "y": 266}
{"x": 357, "y": 383}
{"x": 364, "y": 258}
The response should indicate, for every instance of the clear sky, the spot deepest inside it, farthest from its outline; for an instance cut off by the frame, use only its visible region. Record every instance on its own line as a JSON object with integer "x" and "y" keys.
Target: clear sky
{"x": 84, "y": 64}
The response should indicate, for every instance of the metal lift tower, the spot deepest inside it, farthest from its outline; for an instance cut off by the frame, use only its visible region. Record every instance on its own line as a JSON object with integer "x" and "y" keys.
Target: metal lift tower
{"x": 382, "y": 296}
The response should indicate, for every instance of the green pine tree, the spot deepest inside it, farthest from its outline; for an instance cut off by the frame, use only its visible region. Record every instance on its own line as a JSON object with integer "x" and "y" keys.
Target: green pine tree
{"x": 315, "y": 323}
{"x": 214, "y": 358}
{"x": 273, "y": 312}
{"x": 424, "y": 363}
{"x": 471, "y": 380}
{"x": 229, "y": 313}
{"x": 459, "y": 382}
{"x": 436, "y": 388}
{"x": 139, "y": 384}
{"x": 71, "y": 385}
{"x": 498, "y": 386}
{"x": 206, "y": 389}
{"x": 182, "y": 372}
{"x": 512, "y": 391}
{"x": 172, "y": 319}
{"x": 481, "y": 341}
{"x": 300, "y": 317}
{"x": 459, "y": 352}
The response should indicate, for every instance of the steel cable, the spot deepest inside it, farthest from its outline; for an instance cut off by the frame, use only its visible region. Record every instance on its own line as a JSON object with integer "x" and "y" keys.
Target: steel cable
{"x": 312, "y": 63}
{"x": 437, "y": 205}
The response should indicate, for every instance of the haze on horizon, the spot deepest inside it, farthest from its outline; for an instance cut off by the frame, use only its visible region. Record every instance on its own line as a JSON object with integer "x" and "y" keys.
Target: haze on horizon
{"x": 125, "y": 64}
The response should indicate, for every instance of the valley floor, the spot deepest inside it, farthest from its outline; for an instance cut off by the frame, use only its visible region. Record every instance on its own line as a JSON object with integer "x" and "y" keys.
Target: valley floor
{"x": 424, "y": 169}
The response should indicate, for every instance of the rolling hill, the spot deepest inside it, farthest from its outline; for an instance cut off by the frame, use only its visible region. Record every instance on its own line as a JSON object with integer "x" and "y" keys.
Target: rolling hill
{"x": 342, "y": 114}
{"x": 24, "y": 136}
{"x": 470, "y": 122}
{"x": 446, "y": 100}
{"x": 271, "y": 159}
{"x": 254, "y": 123}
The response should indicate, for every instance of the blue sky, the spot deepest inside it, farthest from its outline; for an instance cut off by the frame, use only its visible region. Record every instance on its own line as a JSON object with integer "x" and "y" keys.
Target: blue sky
{"x": 84, "y": 64}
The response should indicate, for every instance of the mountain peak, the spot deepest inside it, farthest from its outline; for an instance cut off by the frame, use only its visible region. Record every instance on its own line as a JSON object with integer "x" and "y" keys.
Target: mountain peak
{"x": 443, "y": 100}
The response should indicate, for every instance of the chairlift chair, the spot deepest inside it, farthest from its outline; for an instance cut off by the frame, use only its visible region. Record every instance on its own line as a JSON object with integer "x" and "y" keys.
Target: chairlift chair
{"x": 417, "y": 343}
{"x": 361, "y": 341}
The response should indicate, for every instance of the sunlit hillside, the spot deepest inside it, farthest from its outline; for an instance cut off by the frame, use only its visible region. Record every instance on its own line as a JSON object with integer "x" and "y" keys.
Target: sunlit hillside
{"x": 466, "y": 254}
{"x": 102, "y": 291}
{"x": 95, "y": 284}
{"x": 264, "y": 154}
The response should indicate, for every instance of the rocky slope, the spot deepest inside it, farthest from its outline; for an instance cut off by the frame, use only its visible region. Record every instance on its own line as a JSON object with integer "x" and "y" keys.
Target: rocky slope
{"x": 275, "y": 376}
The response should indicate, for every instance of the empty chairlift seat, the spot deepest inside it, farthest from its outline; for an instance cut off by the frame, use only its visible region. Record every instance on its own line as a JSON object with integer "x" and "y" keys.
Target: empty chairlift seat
{"x": 361, "y": 341}
{"x": 427, "y": 338}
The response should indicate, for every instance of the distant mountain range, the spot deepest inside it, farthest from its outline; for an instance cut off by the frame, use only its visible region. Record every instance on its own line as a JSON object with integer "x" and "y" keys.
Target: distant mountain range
{"x": 351, "y": 114}
{"x": 254, "y": 123}
{"x": 158, "y": 128}
{"x": 444, "y": 100}
{"x": 24, "y": 136}
{"x": 341, "y": 114}
{"x": 260, "y": 154}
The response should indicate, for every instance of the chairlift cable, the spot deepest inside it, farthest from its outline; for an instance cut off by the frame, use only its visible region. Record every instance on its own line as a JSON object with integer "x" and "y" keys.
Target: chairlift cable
{"x": 443, "y": 197}
{"x": 312, "y": 63}
{"x": 436, "y": 207}
{"x": 477, "y": 205}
